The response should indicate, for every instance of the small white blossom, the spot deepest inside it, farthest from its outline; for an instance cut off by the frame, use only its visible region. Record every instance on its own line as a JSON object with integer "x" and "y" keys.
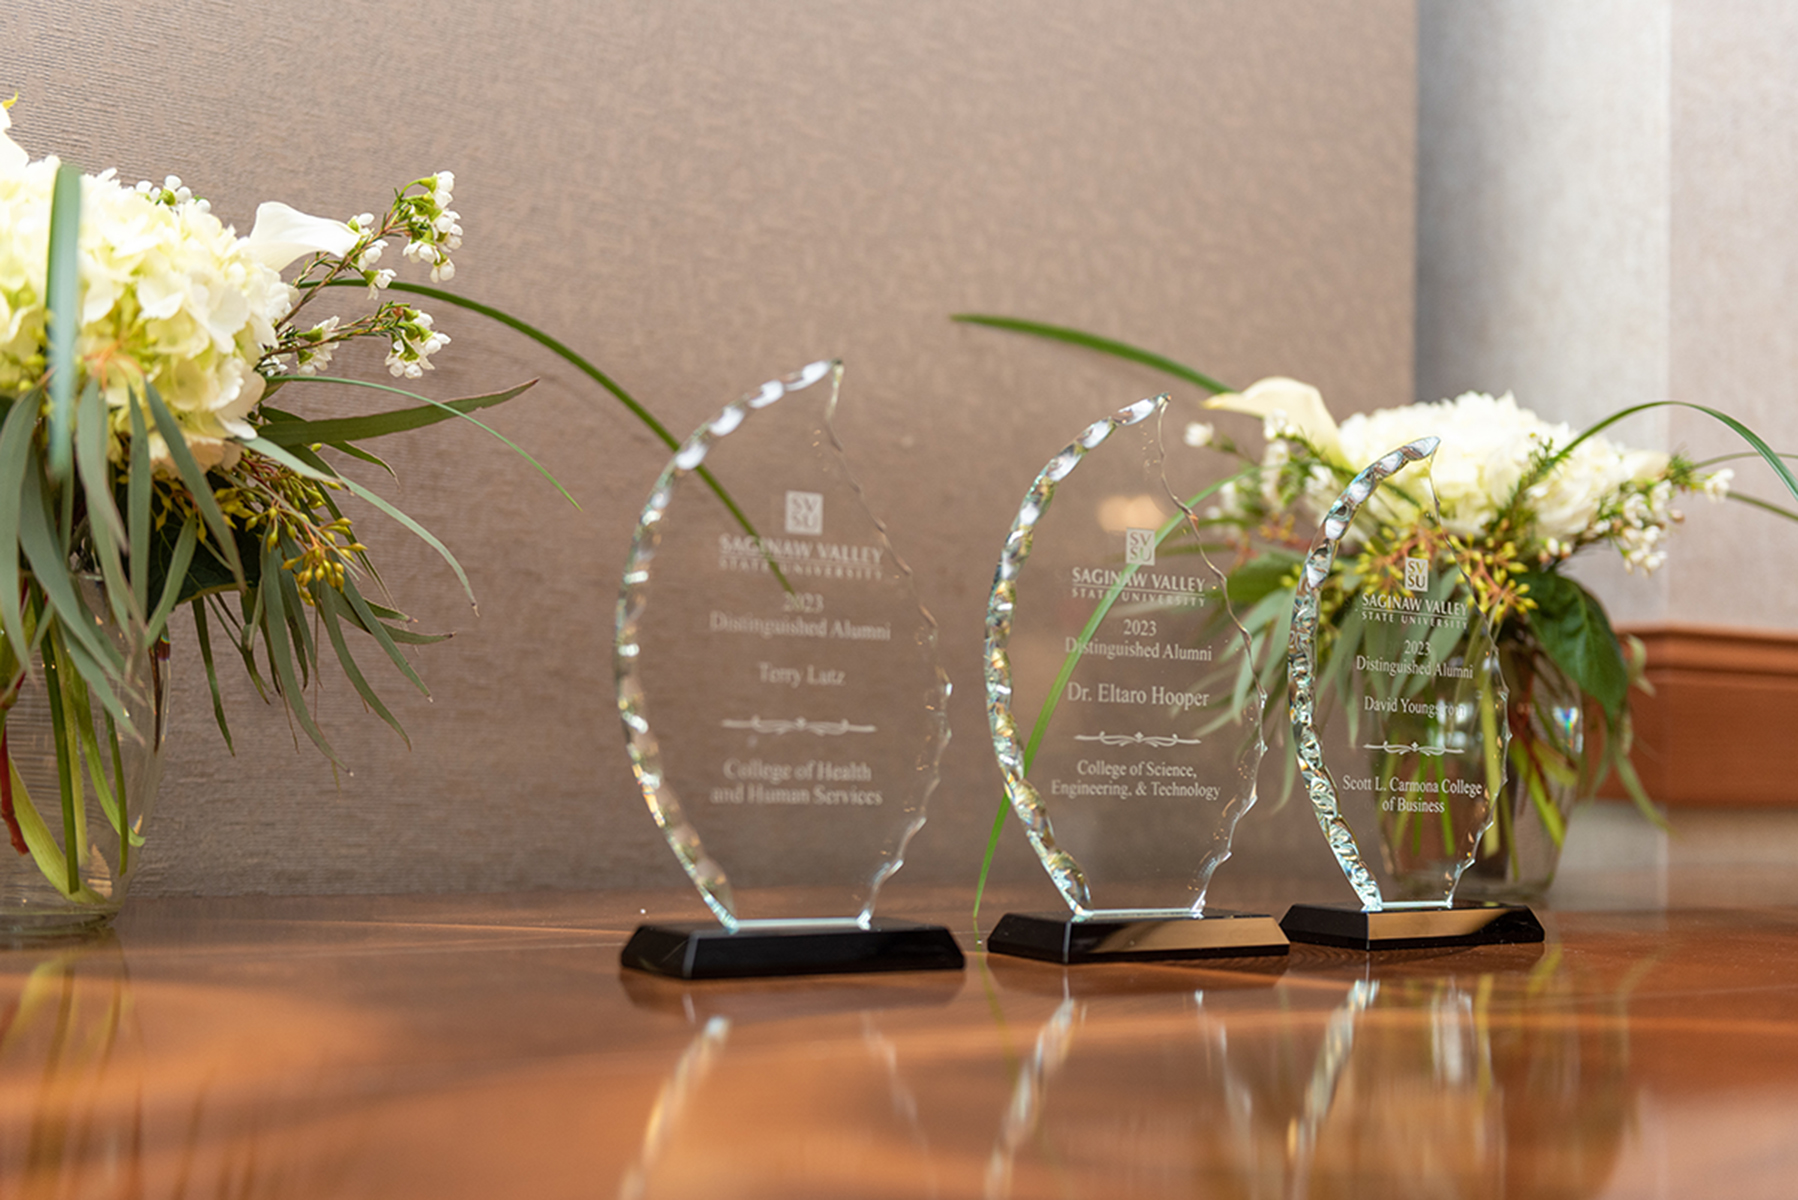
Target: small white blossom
{"x": 1198, "y": 433}
{"x": 1715, "y": 486}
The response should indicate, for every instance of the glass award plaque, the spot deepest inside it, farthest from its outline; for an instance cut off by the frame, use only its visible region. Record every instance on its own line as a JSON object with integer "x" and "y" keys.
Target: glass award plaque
{"x": 1425, "y": 715}
{"x": 1124, "y": 707}
{"x": 783, "y": 706}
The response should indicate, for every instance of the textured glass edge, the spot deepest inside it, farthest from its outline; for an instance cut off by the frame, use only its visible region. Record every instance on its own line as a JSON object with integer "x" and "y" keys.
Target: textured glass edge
{"x": 1062, "y": 868}
{"x": 641, "y": 745}
{"x": 1301, "y": 660}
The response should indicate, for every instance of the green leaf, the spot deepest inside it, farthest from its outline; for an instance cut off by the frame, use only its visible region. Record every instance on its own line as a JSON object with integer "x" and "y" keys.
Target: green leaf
{"x": 542, "y": 339}
{"x": 1261, "y": 576}
{"x": 212, "y": 678}
{"x": 378, "y": 424}
{"x": 15, "y": 456}
{"x": 49, "y": 559}
{"x": 62, "y": 302}
{"x": 296, "y": 432}
{"x": 384, "y": 637}
{"x": 137, "y": 507}
{"x": 580, "y": 364}
{"x": 1770, "y": 456}
{"x": 1576, "y": 635}
{"x": 177, "y": 573}
{"x": 1104, "y": 345}
{"x": 195, "y": 479}
{"x": 41, "y": 842}
{"x": 330, "y": 607}
{"x": 280, "y": 651}
{"x": 105, "y": 526}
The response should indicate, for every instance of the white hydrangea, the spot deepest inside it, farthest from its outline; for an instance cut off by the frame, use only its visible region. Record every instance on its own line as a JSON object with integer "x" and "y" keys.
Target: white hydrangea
{"x": 170, "y": 296}
{"x": 1487, "y": 445}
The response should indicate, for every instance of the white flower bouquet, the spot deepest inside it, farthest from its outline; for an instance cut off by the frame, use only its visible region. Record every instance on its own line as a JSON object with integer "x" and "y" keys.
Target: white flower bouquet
{"x": 1517, "y": 498}
{"x": 154, "y": 453}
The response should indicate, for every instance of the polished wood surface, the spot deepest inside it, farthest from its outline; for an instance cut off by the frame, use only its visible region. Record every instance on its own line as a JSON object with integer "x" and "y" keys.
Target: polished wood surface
{"x": 490, "y": 1046}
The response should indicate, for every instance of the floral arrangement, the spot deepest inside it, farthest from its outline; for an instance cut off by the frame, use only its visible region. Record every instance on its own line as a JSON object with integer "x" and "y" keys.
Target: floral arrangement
{"x": 153, "y": 454}
{"x": 1510, "y": 499}
{"x": 1518, "y": 497}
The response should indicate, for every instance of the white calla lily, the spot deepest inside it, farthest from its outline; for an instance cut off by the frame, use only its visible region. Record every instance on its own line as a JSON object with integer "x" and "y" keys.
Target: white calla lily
{"x": 283, "y": 233}
{"x": 1301, "y": 404}
{"x": 12, "y": 155}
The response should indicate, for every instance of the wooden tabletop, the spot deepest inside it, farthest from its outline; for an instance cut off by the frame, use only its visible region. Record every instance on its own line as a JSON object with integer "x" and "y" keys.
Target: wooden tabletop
{"x": 490, "y": 1046}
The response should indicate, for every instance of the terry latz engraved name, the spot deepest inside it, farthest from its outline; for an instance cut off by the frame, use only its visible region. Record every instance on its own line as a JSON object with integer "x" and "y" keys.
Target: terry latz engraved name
{"x": 811, "y": 676}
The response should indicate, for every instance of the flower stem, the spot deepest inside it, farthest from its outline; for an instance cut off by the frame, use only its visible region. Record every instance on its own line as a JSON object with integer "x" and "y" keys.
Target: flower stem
{"x": 64, "y": 756}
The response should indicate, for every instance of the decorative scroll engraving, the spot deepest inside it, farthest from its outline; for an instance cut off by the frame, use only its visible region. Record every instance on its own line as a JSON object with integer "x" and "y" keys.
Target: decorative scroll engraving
{"x": 797, "y": 725}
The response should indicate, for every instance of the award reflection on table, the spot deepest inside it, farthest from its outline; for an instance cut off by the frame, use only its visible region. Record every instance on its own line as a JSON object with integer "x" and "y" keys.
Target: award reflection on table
{"x": 783, "y": 706}
{"x": 1123, "y": 700}
{"x": 1438, "y": 1084}
{"x": 1426, "y": 717}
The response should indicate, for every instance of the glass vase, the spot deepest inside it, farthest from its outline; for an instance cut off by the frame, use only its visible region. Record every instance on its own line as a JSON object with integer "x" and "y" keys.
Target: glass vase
{"x": 75, "y": 799}
{"x": 1551, "y": 723}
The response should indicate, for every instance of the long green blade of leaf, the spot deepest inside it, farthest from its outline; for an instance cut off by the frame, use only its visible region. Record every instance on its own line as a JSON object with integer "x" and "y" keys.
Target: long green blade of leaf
{"x": 432, "y": 412}
{"x": 171, "y": 588}
{"x": 1769, "y": 455}
{"x": 62, "y": 301}
{"x": 204, "y": 635}
{"x": 328, "y": 602}
{"x": 354, "y": 429}
{"x": 49, "y": 561}
{"x": 542, "y": 339}
{"x": 1104, "y": 345}
{"x": 105, "y": 527}
{"x": 280, "y": 652}
{"x": 15, "y": 455}
{"x": 382, "y": 635}
{"x": 65, "y": 766}
{"x": 137, "y": 506}
{"x": 195, "y": 479}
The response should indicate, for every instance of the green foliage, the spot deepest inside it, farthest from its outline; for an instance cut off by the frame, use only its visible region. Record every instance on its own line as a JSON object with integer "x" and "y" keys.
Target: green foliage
{"x": 1572, "y": 629}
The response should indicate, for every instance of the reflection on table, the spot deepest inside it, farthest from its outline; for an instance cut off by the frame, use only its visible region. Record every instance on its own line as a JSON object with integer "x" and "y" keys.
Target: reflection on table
{"x": 490, "y": 1046}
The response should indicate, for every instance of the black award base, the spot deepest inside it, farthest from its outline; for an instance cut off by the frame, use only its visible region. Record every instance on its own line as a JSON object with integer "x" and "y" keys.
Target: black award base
{"x": 1467, "y": 924}
{"x": 1058, "y": 938}
{"x": 704, "y": 951}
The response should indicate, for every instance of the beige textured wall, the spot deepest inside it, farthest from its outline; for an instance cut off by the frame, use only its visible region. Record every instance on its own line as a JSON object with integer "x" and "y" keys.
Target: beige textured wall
{"x": 699, "y": 196}
{"x": 1604, "y": 218}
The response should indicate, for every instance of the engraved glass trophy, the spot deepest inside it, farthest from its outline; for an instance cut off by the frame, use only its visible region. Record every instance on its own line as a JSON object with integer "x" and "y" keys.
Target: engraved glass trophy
{"x": 1124, "y": 703}
{"x": 782, "y": 703}
{"x": 1425, "y": 715}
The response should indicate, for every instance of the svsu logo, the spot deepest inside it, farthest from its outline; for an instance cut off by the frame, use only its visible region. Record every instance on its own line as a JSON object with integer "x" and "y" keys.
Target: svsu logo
{"x": 805, "y": 513}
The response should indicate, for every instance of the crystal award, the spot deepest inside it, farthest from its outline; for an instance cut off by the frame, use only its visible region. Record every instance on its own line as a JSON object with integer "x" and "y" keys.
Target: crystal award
{"x": 1124, "y": 703}
{"x": 1424, "y": 705}
{"x": 783, "y": 707}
